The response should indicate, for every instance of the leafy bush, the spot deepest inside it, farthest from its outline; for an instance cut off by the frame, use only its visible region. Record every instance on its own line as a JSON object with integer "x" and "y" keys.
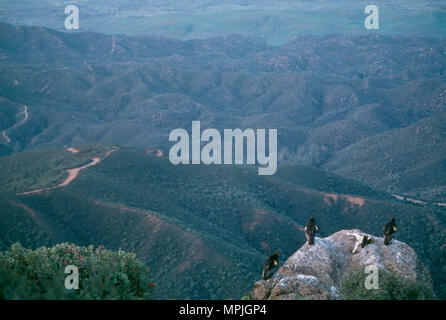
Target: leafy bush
{"x": 391, "y": 287}
{"x": 103, "y": 274}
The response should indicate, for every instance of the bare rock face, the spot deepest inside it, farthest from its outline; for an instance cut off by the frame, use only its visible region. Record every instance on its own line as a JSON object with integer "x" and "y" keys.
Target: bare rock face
{"x": 316, "y": 272}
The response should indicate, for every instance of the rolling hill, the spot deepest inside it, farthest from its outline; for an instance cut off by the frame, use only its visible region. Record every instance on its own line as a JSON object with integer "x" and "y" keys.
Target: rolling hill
{"x": 324, "y": 94}
{"x": 198, "y": 228}
{"x": 408, "y": 160}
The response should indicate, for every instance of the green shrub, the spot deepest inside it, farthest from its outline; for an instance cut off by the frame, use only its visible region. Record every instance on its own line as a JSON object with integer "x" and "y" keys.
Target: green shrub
{"x": 391, "y": 287}
{"x": 103, "y": 274}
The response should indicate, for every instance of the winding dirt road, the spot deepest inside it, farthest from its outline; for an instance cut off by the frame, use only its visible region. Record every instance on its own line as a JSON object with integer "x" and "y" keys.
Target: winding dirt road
{"x": 18, "y": 124}
{"x": 25, "y": 111}
{"x": 402, "y": 198}
{"x": 72, "y": 173}
{"x": 8, "y": 140}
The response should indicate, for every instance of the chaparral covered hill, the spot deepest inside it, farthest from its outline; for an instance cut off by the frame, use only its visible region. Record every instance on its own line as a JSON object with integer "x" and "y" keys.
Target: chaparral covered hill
{"x": 335, "y": 99}
{"x": 197, "y": 227}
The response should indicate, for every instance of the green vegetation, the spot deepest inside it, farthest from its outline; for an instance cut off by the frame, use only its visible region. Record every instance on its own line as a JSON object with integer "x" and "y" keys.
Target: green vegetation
{"x": 40, "y": 169}
{"x": 413, "y": 169}
{"x": 365, "y": 106}
{"x": 202, "y": 227}
{"x": 246, "y": 297}
{"x": 383, "y": 126}
{"x": 391, "y": 287}
{"x": 103, "y": 274}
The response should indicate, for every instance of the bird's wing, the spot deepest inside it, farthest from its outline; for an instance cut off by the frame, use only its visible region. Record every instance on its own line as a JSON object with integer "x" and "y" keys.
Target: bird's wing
{"x": 357, "y": 236}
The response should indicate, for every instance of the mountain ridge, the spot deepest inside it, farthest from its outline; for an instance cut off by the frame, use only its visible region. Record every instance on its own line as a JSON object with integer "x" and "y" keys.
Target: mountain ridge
{"x": 140, "y": 202}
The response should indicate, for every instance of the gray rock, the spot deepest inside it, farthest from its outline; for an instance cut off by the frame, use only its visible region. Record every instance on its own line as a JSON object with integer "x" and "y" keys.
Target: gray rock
{"x": 316, "y": 272}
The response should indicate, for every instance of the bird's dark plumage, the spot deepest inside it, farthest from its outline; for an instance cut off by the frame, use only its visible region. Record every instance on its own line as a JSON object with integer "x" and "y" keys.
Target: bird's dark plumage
{"x": 270, "y": 266}
{"x": 310, "y": 231}
{"x": 389, "y": 230}
{"x": 365, "y": 241}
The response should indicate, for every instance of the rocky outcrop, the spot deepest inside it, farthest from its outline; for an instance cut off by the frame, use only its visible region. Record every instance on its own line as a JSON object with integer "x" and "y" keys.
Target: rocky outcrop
{"x": 317, "y": 271}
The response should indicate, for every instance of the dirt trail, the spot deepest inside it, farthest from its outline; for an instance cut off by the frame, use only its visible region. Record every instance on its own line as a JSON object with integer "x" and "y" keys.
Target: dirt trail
{"x": 73, "y": 150}
{"x": 402, "y": 198}
{"x": 72, "y": 174}
{"x": 330, "y": 198}
{"x": 25, "y": 111}
{"x": 35, "y": 217}
{"x": 157, "y": 152}
{"x": 113, "y": 45}
{"x": 8, "y": 140}
{"x": 18, "y": 124}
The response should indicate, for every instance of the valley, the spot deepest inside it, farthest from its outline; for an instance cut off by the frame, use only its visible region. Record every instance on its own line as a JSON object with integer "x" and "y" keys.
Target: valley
{"x": 335, "y": 101}
{"x": 176, "y": 218}
{"x": 85, "y": 118}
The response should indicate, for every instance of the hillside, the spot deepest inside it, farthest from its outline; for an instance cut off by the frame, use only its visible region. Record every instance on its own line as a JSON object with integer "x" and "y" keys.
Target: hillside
{"x": 408, "y": 160}
{"x": 198, "y": 227}
{"x": 329, "y": 96}
{"x": 85, "y": 117}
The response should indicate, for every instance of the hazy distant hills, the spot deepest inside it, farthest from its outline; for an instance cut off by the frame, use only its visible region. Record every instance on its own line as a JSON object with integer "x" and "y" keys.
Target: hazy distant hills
{"x": 197, "y": 227}
{"x": 332, "y": 98}
{"x": 276, "y": 21}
